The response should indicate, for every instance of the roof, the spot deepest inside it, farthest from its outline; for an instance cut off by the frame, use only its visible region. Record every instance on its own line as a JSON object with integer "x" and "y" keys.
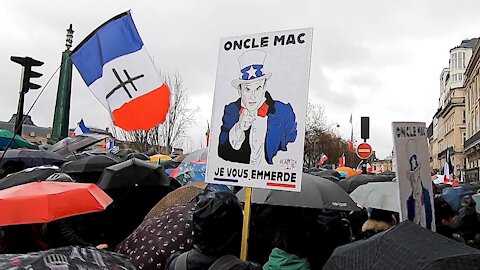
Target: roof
{"x": 467, "y": 43}
{"x": 29, "y": 127}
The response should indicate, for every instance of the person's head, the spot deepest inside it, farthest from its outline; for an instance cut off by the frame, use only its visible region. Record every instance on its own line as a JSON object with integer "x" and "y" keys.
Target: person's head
{"x": 252, "y": 94}
{"x": 468, "y": 201}
{"x": 217, "y": 221}
{"x": 382, "y": 215}
{"x": 251, "y": 84}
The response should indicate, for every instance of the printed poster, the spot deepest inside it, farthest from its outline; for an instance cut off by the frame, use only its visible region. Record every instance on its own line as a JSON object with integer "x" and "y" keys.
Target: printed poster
{"x": 413, "y": 173}
{"x": 258, "y": 117}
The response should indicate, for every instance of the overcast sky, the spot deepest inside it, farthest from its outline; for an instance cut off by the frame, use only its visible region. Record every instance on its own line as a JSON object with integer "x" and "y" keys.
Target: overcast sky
{"x": 371, "y": 58}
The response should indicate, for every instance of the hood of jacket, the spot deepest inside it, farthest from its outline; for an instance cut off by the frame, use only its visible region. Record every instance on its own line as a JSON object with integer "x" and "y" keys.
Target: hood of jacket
{"x": 280, "y": 259}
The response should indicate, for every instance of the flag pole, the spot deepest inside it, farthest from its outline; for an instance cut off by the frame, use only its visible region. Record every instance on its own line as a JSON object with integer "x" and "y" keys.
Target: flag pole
{"x": 246, "y": 223}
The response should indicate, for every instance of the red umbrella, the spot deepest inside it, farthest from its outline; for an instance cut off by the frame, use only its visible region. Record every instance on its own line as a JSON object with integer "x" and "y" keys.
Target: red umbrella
{"x": 45, "y": 201}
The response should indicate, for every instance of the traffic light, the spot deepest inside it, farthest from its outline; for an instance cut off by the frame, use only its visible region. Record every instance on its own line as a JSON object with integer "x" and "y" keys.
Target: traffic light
{"x": 365, "y": 127}
{"x": 28, "y": 73}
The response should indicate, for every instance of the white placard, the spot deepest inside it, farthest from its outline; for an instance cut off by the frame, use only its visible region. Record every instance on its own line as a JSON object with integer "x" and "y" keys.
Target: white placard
{"x": 258, "y": 117}
{"x": 413, "y": 173}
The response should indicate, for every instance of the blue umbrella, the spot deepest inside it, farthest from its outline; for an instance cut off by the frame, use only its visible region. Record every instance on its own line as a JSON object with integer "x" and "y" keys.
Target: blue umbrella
{"x": 454, "y": 195}
{"x": 198, "y": 175}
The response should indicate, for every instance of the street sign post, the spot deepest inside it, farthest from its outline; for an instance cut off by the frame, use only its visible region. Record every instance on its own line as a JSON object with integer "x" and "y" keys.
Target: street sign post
{"x": 364, "y": 150}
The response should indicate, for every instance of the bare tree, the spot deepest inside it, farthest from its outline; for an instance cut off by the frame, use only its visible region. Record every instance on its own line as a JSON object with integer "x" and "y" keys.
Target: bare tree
{"x": 180, "y": 116}
{"x": 320, "y": 138}
{"x": 172, "y": 132}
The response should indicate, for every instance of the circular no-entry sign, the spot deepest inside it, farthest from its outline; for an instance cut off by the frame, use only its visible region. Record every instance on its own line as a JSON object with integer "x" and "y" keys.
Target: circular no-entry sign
{"x": 364, "y": 150}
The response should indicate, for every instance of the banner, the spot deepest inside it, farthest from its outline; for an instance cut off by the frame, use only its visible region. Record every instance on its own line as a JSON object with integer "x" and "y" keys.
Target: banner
{"x": 412, "y": 164}
{"x": 258, "y": 118}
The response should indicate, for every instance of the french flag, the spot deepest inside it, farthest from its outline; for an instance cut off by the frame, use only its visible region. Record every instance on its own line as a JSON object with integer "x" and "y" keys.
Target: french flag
{"x": 80, "y": 129}
{"x": 323, "y": 159}
{"x": 118, "y": 70}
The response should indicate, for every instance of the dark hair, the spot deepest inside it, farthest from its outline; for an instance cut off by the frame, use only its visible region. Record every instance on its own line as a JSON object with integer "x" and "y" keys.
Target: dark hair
{"x": 382, "y": 215}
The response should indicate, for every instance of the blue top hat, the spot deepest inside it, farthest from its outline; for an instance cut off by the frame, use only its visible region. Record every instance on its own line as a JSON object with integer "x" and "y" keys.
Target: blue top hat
{"x": 251, "y": 67}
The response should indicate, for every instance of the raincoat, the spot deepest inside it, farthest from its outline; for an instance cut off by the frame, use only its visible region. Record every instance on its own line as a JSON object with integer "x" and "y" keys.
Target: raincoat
{"x": 280, "y": 259}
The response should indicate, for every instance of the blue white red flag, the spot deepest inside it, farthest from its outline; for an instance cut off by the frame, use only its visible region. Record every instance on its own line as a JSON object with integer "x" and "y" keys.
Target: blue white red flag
{"x": 117, "y": 68}
{"x": 323, "y": 159}
{"x": 80, "y": 129}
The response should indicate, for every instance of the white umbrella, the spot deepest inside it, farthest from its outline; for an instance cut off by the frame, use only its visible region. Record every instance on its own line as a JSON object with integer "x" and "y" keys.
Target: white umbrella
{"x": 380, "y": 195}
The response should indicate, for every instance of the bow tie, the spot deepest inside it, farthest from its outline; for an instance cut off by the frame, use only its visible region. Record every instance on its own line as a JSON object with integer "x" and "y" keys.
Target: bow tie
{"x": 262, "y": 111}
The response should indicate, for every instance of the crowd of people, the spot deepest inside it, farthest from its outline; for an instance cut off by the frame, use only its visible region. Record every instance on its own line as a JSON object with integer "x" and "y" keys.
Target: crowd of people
{"x": 200, "y": 228}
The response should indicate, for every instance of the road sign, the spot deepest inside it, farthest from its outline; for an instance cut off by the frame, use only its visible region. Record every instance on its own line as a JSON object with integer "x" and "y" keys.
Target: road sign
{"x": 364, "y": 150}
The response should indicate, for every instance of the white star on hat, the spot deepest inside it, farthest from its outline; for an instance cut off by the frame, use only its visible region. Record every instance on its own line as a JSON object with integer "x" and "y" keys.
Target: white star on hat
{"x": 251, "y": 72}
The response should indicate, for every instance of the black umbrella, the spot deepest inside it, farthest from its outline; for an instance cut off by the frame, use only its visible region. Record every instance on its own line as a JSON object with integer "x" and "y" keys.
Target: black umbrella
{"x": 71, "y": 145}
{"x": 71, "y": 257}
{"x": 405, "y": 246}
{"x": 331, "y": 175}
{"x": 316, "y": 192}
{"x": 32, "y": 158}
{"x": 94, "y": 163}
{"x": 27, "y": 176}
{"x": 135, "y": 187}
{"x": 351, "y": 183}
{"x": 133, "y": 172}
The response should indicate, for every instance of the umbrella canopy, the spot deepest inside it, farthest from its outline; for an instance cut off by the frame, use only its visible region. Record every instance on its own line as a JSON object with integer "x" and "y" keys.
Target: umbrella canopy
{"x": 188, "y": 170}
{"x": 316, "y": 192}
{"x": 201, "y": 154}
{"x": 32, "y": 158}
{"x": 42, "y": 202}
{"x": 159, "y": 158}
{"x": 94, "y": 163}
{"x": 331, "y": 175}
{"x": 182, "y": 195}
{"x": 454, "y": 195}
{"x": 353, "y": 182}
{"x": 72, "y": 257}
{"x": 349, "y": 171}
{"x": 18, "y": 142}
{"x": 380, "y": 195}
{"x": 71, "y": 145}
{"x": 405, "y": 246}
{"x": 152, "y": 243}
{"x": 27, "y": 176}
{"x": 133, "y": 172}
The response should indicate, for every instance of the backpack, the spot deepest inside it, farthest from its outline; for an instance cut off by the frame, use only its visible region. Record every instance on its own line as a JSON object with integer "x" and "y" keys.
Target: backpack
{"x": 223, "y": 263}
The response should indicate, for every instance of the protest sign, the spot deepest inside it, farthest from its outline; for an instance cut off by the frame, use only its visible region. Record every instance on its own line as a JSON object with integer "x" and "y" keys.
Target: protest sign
{"x": 412, "y": 164}
{"x": 258, "y": 117}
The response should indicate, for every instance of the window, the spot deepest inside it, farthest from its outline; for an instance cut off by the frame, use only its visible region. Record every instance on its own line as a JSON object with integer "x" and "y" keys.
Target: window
{"x": 464, "y": 137}
{"x": 32, "y": 134}
{"x": 454, "y": 60}
{"x": 463, "y": 116}
{"x": 460, "y": 60}
{"x": 49, "y": 136}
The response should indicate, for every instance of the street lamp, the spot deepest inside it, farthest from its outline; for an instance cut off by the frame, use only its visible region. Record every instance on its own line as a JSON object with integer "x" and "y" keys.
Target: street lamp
{"x": 69, "y": 40}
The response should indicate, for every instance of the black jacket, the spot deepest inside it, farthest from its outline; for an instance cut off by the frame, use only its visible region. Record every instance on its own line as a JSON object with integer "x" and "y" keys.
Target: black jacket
{"x": 199, "y": 261}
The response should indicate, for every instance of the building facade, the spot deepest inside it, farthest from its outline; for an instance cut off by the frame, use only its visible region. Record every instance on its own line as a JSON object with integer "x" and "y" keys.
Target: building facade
{"x": 449, "y": 122}
{"x": 472, "y": 110}
{"x": 41, "y": 135}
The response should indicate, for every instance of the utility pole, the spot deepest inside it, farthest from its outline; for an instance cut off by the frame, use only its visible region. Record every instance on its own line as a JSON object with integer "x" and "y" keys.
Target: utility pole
{"x": 27, "y": 63}
{"x": 61, "y": 116}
